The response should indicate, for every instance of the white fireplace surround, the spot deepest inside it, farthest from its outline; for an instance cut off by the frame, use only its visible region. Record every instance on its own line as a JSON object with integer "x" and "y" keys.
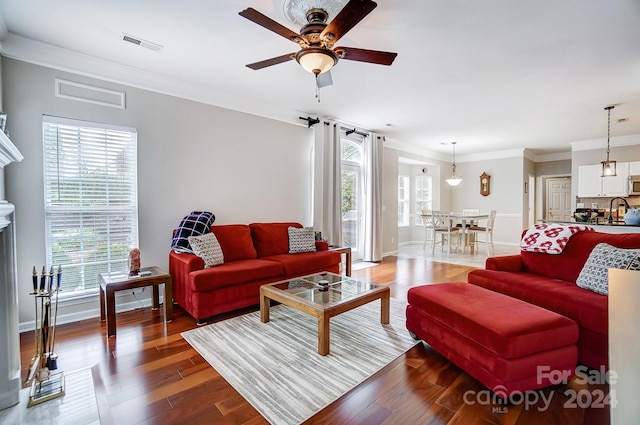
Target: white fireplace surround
{"x": 10, "y": 379}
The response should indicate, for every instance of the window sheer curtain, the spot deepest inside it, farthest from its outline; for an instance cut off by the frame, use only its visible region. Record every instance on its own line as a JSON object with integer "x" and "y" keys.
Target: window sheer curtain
{"x": 327, "y": 210}
{"x": 328, "y": 188}
{"x": 372, "y": 167}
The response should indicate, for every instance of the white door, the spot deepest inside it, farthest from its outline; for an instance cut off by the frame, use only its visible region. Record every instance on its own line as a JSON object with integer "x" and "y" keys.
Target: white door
{"x": 559, "y": 199}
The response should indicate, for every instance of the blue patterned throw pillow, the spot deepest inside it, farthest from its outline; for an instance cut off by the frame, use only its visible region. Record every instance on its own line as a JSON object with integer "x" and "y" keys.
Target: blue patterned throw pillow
{"x": 594, "y": 276}
{"x": 195, "y": 224}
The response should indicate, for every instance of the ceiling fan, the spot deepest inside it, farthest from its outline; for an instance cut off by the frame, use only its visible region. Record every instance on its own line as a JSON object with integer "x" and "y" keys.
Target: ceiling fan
{"x": 317, "y": 38}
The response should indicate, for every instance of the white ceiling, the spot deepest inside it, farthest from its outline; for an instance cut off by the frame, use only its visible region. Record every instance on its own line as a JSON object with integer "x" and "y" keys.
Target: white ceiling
{"x": 488, "y": 74}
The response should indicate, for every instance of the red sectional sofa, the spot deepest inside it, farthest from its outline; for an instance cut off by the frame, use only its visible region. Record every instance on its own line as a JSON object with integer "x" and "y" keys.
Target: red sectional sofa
{"x": 549, "y": 281}
{"x": 254, "y": 254}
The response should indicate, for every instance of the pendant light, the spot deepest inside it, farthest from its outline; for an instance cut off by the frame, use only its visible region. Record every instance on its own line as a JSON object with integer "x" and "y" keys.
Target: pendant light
{"x": 608, "y": 167}
{"x": 454, "y": 180}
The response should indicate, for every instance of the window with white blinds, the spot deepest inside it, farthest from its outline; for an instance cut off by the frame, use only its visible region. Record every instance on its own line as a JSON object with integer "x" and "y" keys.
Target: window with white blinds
{"x": 423, "y": 197}
{"x": 91, "y": 202}
{"x": 403, "y": 200}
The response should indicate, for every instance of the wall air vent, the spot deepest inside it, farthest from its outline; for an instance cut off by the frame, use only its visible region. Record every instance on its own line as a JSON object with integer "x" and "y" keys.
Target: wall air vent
{"x": 140, "y": 42}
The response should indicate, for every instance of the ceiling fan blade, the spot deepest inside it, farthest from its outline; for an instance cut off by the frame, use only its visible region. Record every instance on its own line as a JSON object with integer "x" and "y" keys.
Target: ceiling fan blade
{"x": 365, "y": 55}
{"x": 347, "y": 18}
{"x": 324, "y": 79}
{"x": 263, "y": 20}
{"x": 273, "y": 61}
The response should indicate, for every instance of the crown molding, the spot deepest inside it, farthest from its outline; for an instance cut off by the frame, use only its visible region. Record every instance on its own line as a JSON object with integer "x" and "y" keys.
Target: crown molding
{"x": 43, "y": 54}
{"x": 549, "y": 157}
{"x": 483, "y": 156}
{"x": 416, "y": 149}
{"x": 489, "y": 156}
{"x": 585, "y": 145}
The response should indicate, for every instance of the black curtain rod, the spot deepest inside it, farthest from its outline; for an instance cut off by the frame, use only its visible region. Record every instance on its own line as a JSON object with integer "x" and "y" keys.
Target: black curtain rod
{"x": 310, "y": 121}
{"x": 348, "y": 131}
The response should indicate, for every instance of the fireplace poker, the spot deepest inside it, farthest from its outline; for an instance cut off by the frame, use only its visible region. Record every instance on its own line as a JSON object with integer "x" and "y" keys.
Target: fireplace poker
{"x": 51, "y": 280}
{"x": 43, "y": 283}
{"x": 45, "y": 330}
{"x": 52, "y": 360}
{"x": 43, "y": 279}
{"x": 36, "y": 356}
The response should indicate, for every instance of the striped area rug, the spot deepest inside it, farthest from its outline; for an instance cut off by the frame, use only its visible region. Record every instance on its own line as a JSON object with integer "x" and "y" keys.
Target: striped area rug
{"x": 275, "y": 366}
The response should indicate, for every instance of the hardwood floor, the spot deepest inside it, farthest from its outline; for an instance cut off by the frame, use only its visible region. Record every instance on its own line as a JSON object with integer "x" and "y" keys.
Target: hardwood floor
{"x": 150, "y": 375}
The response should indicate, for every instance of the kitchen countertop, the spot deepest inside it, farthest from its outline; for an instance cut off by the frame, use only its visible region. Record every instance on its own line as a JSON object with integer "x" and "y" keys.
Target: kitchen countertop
{"x": 602, "y": 222}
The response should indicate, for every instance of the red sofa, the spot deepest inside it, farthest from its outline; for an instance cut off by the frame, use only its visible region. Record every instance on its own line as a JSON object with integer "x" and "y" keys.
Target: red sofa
{"x": 254, "y": 254}
{"x": 549, "y": 281}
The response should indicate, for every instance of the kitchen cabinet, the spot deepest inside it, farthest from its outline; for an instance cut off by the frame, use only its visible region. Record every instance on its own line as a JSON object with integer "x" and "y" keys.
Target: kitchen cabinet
{"x": 634, "y": 168}
{"x": 592, "y": 185}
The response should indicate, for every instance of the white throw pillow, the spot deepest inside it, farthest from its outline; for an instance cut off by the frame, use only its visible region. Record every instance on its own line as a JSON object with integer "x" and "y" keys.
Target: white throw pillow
{"x": 208, "y": 248}
{"x": 301, "y": 240}
{"x": 594, "y": 275}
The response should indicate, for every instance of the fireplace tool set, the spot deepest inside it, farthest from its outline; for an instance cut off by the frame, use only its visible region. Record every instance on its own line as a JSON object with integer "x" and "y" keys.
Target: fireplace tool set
{"x": 46, "y": 384}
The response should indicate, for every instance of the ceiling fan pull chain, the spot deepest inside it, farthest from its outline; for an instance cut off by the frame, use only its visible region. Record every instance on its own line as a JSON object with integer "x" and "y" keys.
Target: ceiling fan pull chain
{"x": 317, "y": 89}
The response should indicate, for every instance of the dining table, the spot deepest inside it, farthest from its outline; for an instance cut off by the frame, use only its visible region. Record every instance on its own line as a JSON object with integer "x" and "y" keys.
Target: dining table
{"x": 457, "y": 217}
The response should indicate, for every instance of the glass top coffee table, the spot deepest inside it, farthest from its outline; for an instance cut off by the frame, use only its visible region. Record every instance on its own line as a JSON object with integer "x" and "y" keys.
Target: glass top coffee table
{"x": 323, "y": 295}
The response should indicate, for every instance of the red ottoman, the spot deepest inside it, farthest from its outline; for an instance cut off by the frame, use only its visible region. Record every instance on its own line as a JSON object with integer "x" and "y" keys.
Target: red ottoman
{"x": 499, "y": 340}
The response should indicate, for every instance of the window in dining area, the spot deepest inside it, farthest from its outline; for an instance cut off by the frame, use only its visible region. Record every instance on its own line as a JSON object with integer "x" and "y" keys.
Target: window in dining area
{"x": 423, "y": 196}
{"x": 404, "y": 192}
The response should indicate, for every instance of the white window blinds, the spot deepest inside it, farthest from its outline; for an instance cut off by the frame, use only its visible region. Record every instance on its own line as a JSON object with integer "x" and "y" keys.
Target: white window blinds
{"x": 91, "y": 207}
{"x": 423, "y": 196}
{"x": 403, "y": 200}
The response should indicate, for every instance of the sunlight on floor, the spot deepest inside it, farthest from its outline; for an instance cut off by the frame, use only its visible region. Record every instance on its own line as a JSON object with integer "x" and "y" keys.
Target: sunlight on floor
{"x": 476, "y": 259}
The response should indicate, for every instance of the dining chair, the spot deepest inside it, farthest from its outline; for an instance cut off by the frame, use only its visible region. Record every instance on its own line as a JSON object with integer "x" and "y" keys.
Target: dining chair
{"x": 471, "y": 211}
{"x": 441, "y": 222}
{"x": 469, "y": 223}
{"x": 426, "y": 221}
{"x": 486, "y": 230}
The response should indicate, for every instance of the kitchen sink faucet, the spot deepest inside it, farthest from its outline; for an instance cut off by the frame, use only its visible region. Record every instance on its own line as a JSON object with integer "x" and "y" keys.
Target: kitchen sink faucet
{"x": 610, "y": 218}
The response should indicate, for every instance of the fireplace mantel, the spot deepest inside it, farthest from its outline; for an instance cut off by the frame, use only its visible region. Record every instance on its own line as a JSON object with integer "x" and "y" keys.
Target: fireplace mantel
{"x": 10, "y": 379}
{"x": 8, "y": 151}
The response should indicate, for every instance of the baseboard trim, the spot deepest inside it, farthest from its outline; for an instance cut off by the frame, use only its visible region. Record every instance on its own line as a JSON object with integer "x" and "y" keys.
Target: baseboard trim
{"x": 91, "y": 313}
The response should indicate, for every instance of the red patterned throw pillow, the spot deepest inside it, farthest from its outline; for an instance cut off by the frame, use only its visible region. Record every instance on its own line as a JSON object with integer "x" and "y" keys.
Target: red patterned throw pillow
{"x": 550, "y": 238}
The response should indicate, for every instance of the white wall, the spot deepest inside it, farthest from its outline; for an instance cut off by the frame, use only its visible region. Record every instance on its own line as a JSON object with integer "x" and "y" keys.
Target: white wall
{"x": 441, "y": 198}
{"x": 191, "y": 156}
{"x": 506, "y": 197}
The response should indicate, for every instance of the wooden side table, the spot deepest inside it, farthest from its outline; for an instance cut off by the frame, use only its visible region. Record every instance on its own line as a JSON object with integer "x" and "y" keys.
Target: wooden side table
{"x": 119, "y": 281}
{"x": 347, "y": 254}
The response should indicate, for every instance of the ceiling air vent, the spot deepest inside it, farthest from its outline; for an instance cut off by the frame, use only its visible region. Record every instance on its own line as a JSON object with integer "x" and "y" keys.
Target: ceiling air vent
{"x": 140, "y": 42}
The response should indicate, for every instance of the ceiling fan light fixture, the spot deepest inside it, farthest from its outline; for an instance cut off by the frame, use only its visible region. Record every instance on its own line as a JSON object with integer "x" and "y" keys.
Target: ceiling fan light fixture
{"x": 316, "y": 60}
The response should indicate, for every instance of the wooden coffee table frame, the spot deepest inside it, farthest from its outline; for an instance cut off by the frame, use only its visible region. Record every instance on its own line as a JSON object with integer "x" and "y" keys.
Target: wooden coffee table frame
{"x": 323, "y": 313}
